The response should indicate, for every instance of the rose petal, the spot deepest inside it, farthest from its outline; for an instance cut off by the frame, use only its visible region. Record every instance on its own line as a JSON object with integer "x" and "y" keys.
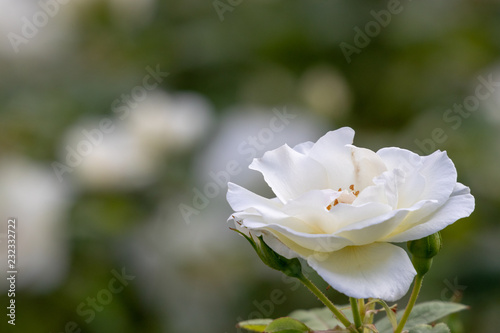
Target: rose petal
{"x": 311, "y": 208}
{"x": 440, "y": 176}
{"x": 377, "y": 228}
{"x": 310, "y": 242}
{"x": 419, "y": 225}
{"x": 304, "y": 147}
{"x": 345, "y": 215}
{"x": 377, "y": 270}
{"x": 240, "y": 199}
{"x": 290, "y": 173}
{"x": 412, "y": 184}
{"x": 332, "y": 151}
{"x": 285, "y": 247}
{"x": 249, "y": 205}
{"x": 386, "y": 189}
{"x": 367, "y": 165}
{"x": 397, "y": 158}
{"x": 273, "y": 242}
{"x": 371, "y": 230}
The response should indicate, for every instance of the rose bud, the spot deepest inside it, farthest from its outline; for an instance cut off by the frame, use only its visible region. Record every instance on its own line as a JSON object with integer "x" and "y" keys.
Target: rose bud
{"x": 423, "y": 250}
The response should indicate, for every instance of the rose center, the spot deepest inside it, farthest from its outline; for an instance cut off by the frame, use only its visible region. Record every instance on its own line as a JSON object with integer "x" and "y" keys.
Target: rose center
{"x": 347, "y": 196}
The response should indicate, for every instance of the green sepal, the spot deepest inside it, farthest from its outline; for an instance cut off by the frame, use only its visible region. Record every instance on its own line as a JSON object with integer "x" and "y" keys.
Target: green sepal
{"x": 290, "y": 267}
{"x": 421, "y": 265}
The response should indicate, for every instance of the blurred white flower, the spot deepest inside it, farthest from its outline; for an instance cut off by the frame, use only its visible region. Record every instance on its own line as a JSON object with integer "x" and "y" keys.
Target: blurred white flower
{"x": 34, "y": 28}
{"x": 129, "y": 153}
{"x": 188, "y": 262}
{"x": 172, "y": 122}
{"x": 201, "y": 258}
{"x": 116, "y": 161}
{"x": 33, "y": 195}
{"x": 247, "y": 132}
{"x": 492, "y": 103}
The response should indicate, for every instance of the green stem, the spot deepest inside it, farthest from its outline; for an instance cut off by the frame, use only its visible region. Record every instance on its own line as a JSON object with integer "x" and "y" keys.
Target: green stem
{"x": 362, "y": 309}
{"x": 413, "y": 298}
{"x": 355, "y": 314}
{"x": 340, "y": 316}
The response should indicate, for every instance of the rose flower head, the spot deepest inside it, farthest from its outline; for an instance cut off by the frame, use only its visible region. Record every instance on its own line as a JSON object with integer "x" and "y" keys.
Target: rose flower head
{"x": 340, "y": 207}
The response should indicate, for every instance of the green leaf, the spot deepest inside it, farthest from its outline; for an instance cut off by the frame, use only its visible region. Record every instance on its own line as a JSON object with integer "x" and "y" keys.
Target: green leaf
{"x": 286, "y": 325}
{"x": 424, "y": 313}
{"x": 319, "y": 318}
{"x": 255, "y": 325}
{"x": 439, "y": 328}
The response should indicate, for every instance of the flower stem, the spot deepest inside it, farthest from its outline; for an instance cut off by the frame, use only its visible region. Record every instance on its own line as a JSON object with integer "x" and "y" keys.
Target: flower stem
{"x": 362, "y": 309}
{"x": 355, "y": 314}
{"x": 413, "y": 298}
{"x": 340, "y": 316}
{"x": 369, "y": 313}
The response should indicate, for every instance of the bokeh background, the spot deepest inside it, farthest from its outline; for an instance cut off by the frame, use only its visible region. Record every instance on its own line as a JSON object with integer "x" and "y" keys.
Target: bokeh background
{"x": 113, "y": 167}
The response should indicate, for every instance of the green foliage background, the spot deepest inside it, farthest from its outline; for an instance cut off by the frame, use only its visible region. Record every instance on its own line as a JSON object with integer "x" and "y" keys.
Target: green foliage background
{"x": 202, "y": 277}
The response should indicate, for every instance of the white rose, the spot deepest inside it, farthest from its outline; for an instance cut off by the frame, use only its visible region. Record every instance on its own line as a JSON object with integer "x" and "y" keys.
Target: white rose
{"x": 30, "y": 193}
{"x": 339, "y": 207}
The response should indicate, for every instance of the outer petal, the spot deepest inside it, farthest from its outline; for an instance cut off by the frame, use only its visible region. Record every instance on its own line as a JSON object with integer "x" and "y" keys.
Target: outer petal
{"x": 250, "y": 205}
{"x": 459, "y": 205}
{"x": 294, "y": 239}
{"x": 285, "y": 250}
{"x": 397, "y": 158}
{"x": 275, "y": 243}
{"x": 304, "y": 147}
{"x": 378, "y": 270}
{"x": 241, "y": 199}
{"x": 290, "y": 173}
{"x": 440, "y": 176}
